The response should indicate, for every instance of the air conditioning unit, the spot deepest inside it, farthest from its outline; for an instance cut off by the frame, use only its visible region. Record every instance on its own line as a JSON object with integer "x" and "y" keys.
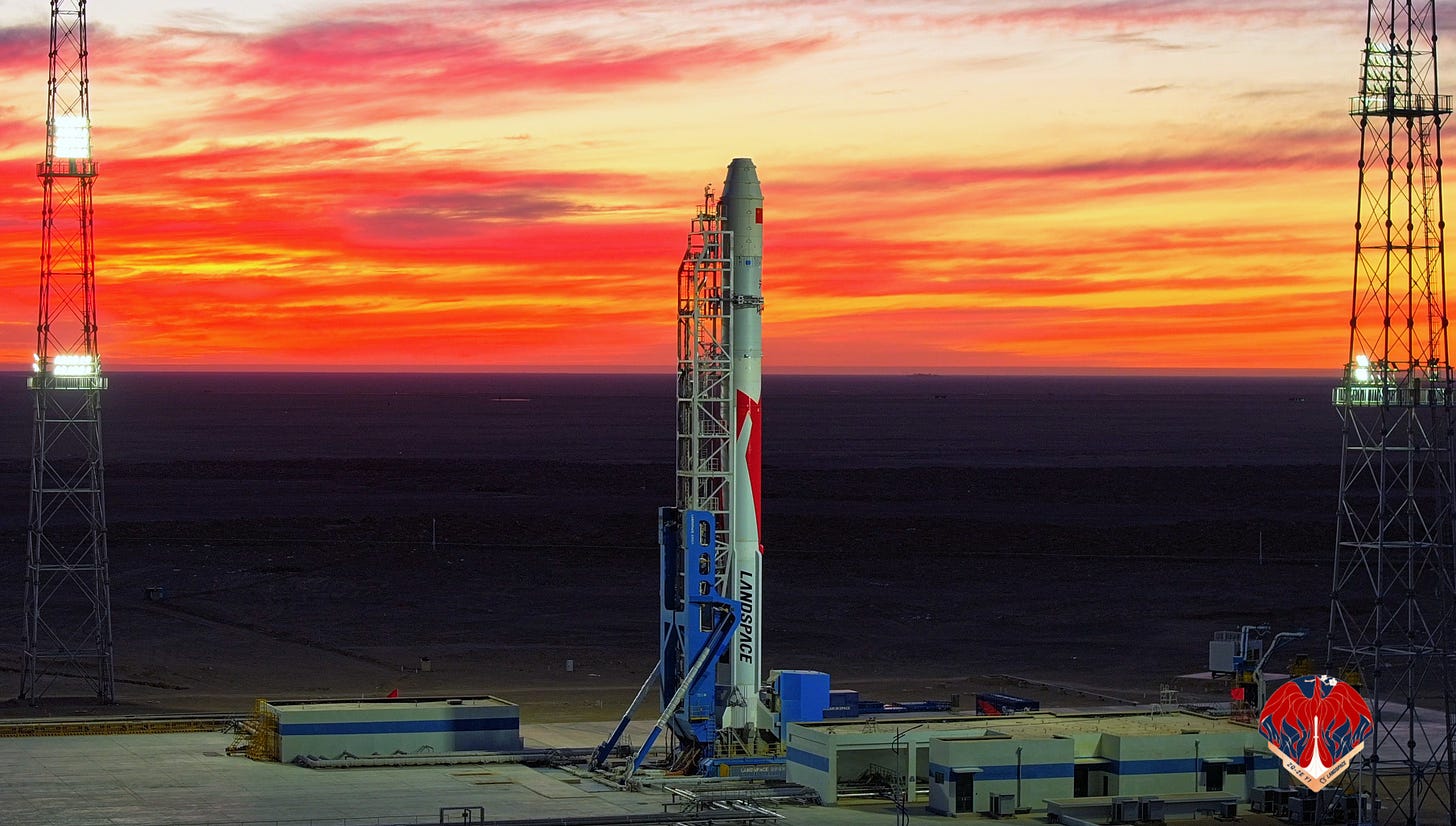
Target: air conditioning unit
{"x": 1003, "y": 805}
{"x": 1280, "y": 799}
{"x": 1125, "y": 810}
{"x": 1264, "y": 800}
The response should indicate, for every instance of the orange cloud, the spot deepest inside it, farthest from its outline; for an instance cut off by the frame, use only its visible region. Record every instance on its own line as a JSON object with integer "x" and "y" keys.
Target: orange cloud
{"x": 200, "y": 255}
{"x": 511, "y": 184}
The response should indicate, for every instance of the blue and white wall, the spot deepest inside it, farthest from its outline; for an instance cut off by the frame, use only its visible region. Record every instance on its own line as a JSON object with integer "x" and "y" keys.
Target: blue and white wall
{"x": 1119, "y": 754}
{"x": 1044, "y": 766}
{"x": 819, "y": 755}
{"x": 337, "y": 729}
{"x": 1176, "y": 763}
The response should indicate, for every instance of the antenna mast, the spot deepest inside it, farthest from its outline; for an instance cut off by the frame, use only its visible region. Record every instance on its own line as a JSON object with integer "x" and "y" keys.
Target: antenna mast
{"x": 1394, "y": 588}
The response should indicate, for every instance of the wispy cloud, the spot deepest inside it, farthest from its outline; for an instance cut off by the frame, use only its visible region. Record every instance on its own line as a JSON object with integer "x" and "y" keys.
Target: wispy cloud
{"x": 380, "y": 64}
{"x": 1142, "y": 15}
{"x": 24, "y": 49}
{"x": 1144, "y": 40}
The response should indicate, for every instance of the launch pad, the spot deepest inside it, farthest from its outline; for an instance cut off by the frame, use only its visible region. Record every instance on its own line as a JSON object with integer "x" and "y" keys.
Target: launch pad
{"x": 165, "y": 779}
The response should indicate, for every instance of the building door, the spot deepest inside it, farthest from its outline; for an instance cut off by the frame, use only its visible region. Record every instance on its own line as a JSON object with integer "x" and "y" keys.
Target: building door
{"x": 1213, "y": 777}
{"x": 965, "y": 797}
{"x": 1079, "y": 781}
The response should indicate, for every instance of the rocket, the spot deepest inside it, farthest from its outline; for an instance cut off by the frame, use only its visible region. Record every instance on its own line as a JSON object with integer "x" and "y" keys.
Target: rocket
{"x": 741, "y": 206}
{"x": 711, "y": 557}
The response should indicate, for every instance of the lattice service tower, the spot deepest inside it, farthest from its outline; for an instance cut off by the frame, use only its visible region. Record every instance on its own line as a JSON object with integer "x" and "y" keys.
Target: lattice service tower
{"x": 67, "y": 585}
{"x": 1394, "y": 575}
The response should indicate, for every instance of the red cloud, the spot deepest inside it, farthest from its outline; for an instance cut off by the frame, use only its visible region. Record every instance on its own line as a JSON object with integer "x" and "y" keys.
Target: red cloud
{"x": 23, "y": 49}
{"x": 380, "y": 63}
{"x": 1120, "y": 15}
{"x": 16, "y": 132}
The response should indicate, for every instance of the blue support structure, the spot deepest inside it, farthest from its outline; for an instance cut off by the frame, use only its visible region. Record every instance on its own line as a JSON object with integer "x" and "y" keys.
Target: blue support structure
{"x": 697, "y": 626}
{"x": 692, "y": 625}
{"x": 603, "y": 751}
{"x": 725, "y": 620}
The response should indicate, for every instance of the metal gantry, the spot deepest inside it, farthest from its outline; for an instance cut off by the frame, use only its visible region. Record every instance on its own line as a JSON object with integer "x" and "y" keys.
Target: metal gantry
{"x": 698, "y": 614}
{"x": 1394, "y": 574}
{"x": 705, "y": 399}
{"x": 67, "y": 635}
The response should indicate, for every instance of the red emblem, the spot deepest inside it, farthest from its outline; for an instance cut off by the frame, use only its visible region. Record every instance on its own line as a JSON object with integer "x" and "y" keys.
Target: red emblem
{"x": 1316, "y": 725}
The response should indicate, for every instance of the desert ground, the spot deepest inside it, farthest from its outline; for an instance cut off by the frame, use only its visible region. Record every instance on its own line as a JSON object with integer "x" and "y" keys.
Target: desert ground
{"x": 315, "y": 543}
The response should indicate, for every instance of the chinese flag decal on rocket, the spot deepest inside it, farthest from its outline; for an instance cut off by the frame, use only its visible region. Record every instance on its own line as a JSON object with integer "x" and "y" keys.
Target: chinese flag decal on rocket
{"x": 1316, "y": 725}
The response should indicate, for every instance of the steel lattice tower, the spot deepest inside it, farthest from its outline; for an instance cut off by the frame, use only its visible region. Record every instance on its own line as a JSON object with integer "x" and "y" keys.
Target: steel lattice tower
{"x": 1394, "y": 575}
{"x": 67, "y": 585}
{"x": 705, "y": 420}
{"x": 705, "y": 412}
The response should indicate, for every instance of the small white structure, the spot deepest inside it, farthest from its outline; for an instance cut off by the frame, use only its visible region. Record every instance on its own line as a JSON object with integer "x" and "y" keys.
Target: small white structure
{"x": 961, "y": 765}
{"x": 360, "y": 728}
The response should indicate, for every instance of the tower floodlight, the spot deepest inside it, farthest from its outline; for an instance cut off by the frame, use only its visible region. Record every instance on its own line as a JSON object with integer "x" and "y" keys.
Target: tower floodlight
{"x": 67, "y": 583}
{"x": 1394, "y": 587}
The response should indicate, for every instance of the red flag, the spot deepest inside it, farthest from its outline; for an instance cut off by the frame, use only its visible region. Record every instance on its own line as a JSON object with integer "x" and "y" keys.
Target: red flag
{"x": 1237, "y": 692}
{"x": 393, "y": 694}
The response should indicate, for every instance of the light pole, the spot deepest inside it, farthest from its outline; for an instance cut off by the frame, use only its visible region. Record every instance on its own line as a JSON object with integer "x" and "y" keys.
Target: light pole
{"x": 902, "y": 794}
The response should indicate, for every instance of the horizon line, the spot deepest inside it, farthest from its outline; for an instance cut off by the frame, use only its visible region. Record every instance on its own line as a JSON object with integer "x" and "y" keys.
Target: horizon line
{"x": 789, "y": 370}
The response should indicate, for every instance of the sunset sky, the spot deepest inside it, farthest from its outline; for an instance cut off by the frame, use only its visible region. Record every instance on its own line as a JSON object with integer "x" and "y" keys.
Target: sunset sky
{"x": 951, "y": 186}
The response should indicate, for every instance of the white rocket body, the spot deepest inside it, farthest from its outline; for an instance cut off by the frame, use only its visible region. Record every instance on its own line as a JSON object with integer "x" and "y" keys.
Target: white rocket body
{"x": 742, "y": 209}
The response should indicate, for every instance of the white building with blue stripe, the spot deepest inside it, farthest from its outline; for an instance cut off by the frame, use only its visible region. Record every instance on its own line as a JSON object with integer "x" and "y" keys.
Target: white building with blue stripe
{"x": 332, "y": 729}
{"x": 965, "y": 764}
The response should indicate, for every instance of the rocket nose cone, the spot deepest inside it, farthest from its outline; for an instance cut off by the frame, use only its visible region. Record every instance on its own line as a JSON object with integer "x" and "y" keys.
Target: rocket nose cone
{"x": 742, "y": 180}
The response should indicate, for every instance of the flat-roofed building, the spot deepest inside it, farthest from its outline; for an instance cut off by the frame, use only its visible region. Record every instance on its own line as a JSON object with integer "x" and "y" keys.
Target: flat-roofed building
{"x": 959, "y": 764}
{"x": 360, "y": 728}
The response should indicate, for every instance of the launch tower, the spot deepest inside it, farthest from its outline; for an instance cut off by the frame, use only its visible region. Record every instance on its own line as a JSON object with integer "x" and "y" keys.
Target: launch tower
{"x": 709, "y": 675}
{"x": 67, "y": 585}
{"x": 1391, "y": 621}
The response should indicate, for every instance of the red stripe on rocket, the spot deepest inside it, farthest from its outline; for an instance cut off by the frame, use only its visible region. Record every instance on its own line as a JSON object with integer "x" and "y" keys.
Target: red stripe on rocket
{"x": 750, "y": 428}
